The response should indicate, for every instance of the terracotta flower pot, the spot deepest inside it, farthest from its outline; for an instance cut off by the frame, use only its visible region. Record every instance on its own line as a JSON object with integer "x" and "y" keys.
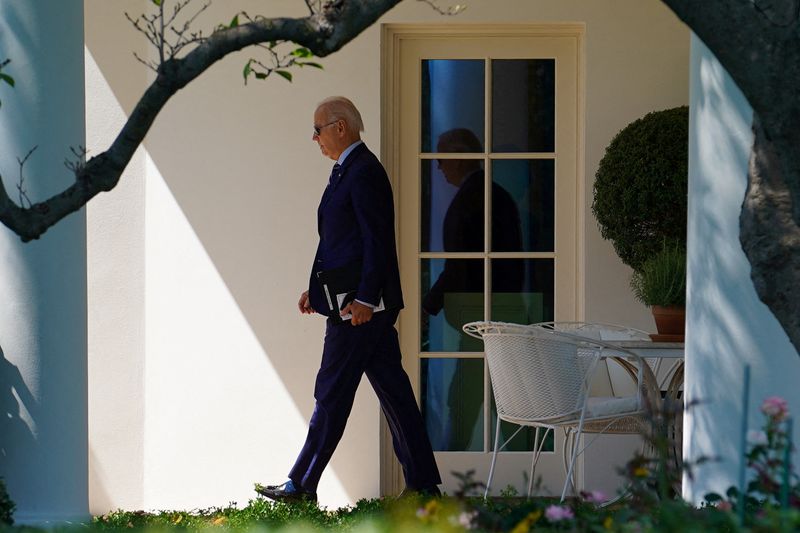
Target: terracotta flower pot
{"x": 670, "y": 323}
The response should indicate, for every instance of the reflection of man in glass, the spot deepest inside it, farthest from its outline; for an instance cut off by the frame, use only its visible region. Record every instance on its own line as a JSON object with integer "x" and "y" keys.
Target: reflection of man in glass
{"x": 460, "y": 285}
{"x": 462, "y": 230}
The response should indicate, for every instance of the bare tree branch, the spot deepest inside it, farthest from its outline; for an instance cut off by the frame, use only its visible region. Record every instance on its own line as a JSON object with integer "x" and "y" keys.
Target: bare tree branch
{"x": 78, "y": 161}
{"x": 323, "y": 33}
{"x": 779, "y": 12}
{"x": 314, "y": 6}
{"x": 23, "y": 196}
{"x": 449, "y": 11}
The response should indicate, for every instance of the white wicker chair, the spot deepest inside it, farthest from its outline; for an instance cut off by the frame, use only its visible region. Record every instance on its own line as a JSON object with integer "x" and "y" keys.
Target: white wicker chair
{"x": 540, "y": 378}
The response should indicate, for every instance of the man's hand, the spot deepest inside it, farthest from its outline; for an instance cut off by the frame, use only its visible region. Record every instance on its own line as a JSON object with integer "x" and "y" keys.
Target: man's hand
{"x": 361, "y": 313}
{"x": 304, "y": 305}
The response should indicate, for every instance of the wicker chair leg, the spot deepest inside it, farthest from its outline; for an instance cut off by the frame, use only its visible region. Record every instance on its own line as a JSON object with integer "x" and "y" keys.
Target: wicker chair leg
{"x": 574, "y": 454}
{"x": 494, "y": 459}
{"x": 537, "y": 452}
{"x": 534, "y": 459}
{"x": 570, "y": 444}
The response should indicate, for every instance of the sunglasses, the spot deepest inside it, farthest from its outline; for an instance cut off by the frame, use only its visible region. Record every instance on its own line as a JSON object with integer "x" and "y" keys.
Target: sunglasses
{"x": 318, "y": 129}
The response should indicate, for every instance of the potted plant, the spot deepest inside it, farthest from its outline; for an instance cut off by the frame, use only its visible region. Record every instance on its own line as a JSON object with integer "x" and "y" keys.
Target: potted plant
{"x": 661, "y": 285}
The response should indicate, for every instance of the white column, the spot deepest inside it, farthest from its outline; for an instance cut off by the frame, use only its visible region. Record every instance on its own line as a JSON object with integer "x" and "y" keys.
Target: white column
{"x": 43, "y": 418}
{"x": 727, "y": 326}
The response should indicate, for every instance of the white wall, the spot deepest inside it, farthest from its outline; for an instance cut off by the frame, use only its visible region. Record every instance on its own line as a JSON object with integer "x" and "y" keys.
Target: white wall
{"x": 115, "y": 255}
{"x": 217, "y": 365}
{"x": 728, "y": 327}
{"x": 43, "y": 444}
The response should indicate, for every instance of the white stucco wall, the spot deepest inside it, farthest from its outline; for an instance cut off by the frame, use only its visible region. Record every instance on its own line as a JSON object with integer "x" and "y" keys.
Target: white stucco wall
{"x": 115, "y": 273}
{"x": 728, "y": 327}
{"x": 43, "y": 443}
{"x": 215, "y": 233}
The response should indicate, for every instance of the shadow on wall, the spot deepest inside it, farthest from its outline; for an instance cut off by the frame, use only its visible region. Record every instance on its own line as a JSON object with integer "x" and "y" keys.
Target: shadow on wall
{"x": 18, "y": 446}
{"x": 727, "y": 325}
{"x": 230, "y": 170}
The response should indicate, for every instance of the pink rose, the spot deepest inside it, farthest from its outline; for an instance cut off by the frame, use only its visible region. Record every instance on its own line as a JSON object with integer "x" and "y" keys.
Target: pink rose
{"x": 756, "y": 437}
{"x": 724, "y": 506}
{"x": 595, "y": 496}
{"x": 556, "y": 513}
{"x": 775, "y": 407}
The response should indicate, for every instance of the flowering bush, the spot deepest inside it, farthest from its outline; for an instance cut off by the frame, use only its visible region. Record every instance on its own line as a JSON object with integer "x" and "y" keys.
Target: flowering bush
{"x": 772, "y": 503}
{"x": 768, "y": 457}
{"x": 772, "y": 496}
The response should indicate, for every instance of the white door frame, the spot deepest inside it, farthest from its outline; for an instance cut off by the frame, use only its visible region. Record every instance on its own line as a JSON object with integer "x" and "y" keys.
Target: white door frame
{"x": 392, "y": 39}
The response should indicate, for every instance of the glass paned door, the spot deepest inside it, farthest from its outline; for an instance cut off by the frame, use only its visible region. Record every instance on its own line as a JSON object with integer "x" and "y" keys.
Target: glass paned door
{"x": 487, "y": 131}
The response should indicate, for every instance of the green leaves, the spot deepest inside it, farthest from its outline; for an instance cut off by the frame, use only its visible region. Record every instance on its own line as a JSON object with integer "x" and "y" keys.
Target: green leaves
{"x": 157, "y": 2}
{"x": 280, "y": 63}
{"x": 301, "y": 52}
{"x": 247, "y": 70}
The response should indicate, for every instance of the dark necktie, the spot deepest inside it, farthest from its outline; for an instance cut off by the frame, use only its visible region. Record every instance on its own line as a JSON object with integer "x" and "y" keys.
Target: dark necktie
{"x": 334, "y": 175}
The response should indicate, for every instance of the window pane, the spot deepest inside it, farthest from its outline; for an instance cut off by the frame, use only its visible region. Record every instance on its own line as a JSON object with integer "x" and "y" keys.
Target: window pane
{"x": 452, "y": 403}
{"x": 452, "y": 97}
{"x": 522, "y": 290}
{"x": 523, "y": 205}
{"x": 452, "y": 205}
{"x": 452, "y": 295}
{"x": 523, "y": 105}
{"x": 522, "y": 441}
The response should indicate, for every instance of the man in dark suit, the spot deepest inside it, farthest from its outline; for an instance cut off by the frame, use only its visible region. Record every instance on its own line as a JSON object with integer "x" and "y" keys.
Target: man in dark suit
{"x": 355, "y": 220}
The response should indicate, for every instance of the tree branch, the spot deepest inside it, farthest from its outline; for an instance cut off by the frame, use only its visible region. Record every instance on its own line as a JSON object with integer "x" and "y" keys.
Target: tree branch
{"x": 449, "y": 11}
{"x": 339, "y": 22}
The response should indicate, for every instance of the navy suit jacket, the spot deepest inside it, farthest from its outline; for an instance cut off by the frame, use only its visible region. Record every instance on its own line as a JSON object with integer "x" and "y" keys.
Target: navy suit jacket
{"x": 355, "y": 221}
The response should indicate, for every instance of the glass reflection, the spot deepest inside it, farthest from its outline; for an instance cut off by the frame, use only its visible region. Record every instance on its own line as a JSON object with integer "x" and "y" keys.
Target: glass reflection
{"x": 452, "y": 97}
{"x": 531, "y": 183}
{"x": 454, "y": 286}
{"x": 531, "y": 300}
{"x": 523, "y": 105}
{"x": 452, "y": 403}
{"x": 452, "y": 215}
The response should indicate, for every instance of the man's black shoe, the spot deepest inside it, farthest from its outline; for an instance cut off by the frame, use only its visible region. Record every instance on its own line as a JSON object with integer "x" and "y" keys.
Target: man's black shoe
{"x": 425, "y": 492}
{"x": 286, "y": 492}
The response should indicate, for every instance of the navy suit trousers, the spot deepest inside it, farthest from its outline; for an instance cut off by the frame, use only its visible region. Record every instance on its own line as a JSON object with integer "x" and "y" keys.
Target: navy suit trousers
{"x": 351, "y": 351}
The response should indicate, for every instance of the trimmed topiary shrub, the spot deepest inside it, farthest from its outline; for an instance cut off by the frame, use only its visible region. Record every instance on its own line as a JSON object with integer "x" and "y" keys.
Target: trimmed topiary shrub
{"x": 640, "y": 188}
{"x": 6, "y": 506}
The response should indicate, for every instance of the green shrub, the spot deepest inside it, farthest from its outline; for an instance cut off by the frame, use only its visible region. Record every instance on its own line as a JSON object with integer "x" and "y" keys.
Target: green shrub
{"x": 640, "y": 188}
{"x": 662, "y": 279}
{"x": 6, "y": 506}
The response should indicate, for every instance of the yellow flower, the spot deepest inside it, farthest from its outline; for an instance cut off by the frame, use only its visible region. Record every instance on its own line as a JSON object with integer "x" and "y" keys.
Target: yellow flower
{"x": 431, "y": 506}
{"x": 608, "y": 523}
{"x": 219, "y": 521}
{"x": 178, "y": 520}
{"x": 525, "y": 524}
{"x": 640, "y": 472}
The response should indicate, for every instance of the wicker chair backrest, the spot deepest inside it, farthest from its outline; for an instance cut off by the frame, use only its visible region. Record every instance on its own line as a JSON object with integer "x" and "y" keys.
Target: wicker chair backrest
{"x": 538, "y": 376}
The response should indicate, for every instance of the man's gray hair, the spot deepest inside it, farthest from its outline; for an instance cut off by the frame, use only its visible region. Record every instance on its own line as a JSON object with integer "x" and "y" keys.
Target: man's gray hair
{"x": 341, "y": 108}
